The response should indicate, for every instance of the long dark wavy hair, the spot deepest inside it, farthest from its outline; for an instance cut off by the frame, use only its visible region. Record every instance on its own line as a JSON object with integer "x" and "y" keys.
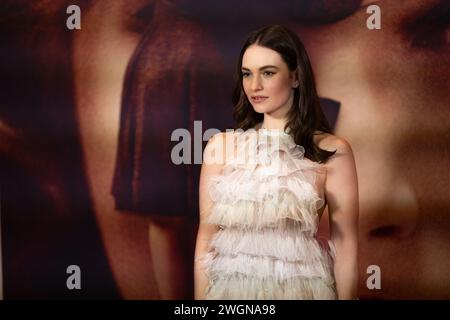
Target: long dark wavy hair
{"x": 305, "y": 117}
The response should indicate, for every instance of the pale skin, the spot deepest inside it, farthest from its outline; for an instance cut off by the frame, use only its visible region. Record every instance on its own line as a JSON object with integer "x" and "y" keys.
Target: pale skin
{"x": 338, "y": 182}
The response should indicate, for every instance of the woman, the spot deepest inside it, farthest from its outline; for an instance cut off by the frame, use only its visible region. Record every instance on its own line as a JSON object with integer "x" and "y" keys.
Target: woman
{"x": 263, "y": 189}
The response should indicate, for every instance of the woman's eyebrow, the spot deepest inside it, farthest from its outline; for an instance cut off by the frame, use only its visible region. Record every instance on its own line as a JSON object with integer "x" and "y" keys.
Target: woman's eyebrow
{"x": 262, "y": 68}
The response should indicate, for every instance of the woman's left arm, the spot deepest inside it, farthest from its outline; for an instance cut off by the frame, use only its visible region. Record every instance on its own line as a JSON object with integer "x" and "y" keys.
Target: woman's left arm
{"x": 341, "y": 191}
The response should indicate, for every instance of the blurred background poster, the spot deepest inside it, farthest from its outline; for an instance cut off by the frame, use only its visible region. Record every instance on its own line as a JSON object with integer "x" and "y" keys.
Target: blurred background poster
{"x": 91, "y": 205}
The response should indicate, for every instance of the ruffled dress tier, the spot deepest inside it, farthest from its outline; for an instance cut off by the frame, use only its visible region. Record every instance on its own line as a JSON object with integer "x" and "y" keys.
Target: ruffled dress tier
{"x": 266, "y": 204}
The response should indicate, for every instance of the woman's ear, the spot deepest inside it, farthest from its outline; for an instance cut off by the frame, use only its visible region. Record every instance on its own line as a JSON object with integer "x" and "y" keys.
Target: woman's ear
{"x": 295, "y": 82}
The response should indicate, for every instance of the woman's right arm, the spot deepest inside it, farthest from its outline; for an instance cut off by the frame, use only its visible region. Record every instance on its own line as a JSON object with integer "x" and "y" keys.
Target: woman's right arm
{"x": 212, "y": 165}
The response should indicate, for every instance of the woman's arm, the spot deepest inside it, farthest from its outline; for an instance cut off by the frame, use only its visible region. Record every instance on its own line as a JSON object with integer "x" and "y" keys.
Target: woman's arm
{"x": 341, "y": 191}
{"x": 212, "y": 165}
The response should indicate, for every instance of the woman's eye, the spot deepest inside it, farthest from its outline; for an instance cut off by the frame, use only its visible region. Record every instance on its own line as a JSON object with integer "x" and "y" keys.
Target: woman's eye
{"x": 269, "y": 73}
{"x": 245, "y": 74}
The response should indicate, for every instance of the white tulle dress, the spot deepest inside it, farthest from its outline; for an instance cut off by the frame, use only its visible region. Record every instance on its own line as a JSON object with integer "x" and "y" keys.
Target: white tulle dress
{"x": 266, "y": 203}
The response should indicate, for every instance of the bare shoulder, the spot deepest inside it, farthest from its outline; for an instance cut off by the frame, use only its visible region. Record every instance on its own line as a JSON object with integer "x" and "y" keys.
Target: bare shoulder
{"x": 331, "y": 142}
{"x": 341, "y": 166}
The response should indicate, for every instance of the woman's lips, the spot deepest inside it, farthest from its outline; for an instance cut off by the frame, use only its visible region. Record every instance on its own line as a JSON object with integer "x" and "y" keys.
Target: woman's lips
{"x": 258, "y": 99}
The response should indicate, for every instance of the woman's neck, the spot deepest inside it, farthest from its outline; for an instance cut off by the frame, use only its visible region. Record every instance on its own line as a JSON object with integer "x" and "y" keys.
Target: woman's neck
{"x": 272, "y": 124}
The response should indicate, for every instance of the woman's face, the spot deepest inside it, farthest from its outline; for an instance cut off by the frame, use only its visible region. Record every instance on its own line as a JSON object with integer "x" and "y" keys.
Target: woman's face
{"x": 267, "y": 81}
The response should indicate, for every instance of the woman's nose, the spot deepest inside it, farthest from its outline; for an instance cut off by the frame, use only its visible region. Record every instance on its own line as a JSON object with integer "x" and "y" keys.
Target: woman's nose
{"x": 256, "y": 84}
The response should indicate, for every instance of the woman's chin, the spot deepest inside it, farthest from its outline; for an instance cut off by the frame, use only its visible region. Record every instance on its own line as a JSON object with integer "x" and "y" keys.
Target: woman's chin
{"x": 262, "y": 109}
